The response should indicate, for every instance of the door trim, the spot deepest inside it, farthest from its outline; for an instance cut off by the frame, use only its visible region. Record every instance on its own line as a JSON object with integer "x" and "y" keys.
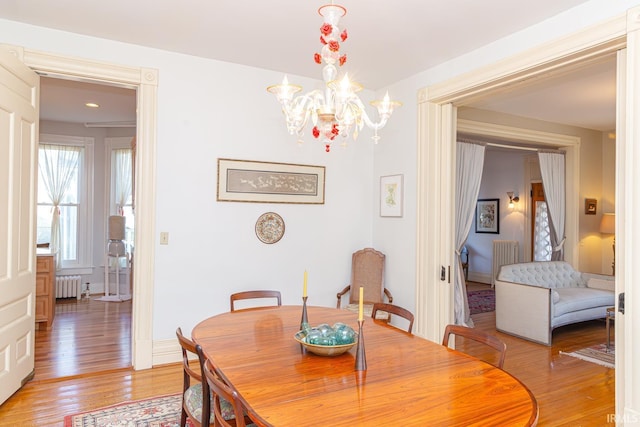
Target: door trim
{"x": 145, "y": 82}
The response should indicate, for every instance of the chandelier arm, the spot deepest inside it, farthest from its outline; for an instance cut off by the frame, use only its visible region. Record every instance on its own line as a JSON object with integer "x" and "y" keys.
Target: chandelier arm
{"x": 367, "y": 120}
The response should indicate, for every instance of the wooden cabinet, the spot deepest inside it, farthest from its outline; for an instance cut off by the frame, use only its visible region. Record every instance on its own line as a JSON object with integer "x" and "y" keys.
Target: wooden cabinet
{"x": 45, "y": 290}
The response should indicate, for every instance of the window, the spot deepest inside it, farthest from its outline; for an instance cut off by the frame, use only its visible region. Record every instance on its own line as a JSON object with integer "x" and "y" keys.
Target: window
{"x": 64, "y": 206}
{"x": 119, "y": 155}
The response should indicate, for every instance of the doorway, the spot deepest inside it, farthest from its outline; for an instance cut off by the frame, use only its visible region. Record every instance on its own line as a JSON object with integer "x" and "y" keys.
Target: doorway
{"x": 437, "y": 114}
{"x": 144, "y": 81}
{"x": 97, "y": 122}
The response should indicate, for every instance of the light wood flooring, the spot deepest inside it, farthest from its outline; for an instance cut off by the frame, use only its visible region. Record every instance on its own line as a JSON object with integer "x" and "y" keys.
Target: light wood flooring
{"x": 570, "y": 392}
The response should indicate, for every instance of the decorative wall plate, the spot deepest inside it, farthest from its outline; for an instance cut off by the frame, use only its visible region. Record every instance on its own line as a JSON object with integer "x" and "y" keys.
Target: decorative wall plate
{"x": 269, "y": 227}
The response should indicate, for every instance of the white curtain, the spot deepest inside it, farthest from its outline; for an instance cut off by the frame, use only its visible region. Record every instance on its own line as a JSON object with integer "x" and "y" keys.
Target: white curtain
{"x": 553, "y": 181}
{"x": 469, "y": 165}
{"x": 123, "y": 170}
{"x": 57, "y": 164}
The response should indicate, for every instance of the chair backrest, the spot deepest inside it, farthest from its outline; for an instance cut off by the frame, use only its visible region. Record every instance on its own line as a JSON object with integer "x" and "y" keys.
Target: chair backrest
{"x": 189, "y": 347}
{"x": 255, "y": 294}
{"x": 367, "y": 271}
{"x": 393, "y": 309}
{"x": 479, "y": 336}
{"x": 220, "y": 390}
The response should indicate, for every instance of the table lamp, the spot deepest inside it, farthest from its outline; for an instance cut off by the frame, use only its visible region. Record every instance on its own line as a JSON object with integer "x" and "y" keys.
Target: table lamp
{"x": 608, "y": 226}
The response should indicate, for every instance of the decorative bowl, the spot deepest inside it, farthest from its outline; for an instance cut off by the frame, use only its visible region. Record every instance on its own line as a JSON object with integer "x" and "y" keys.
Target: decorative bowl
{"x": 324, "y": 350}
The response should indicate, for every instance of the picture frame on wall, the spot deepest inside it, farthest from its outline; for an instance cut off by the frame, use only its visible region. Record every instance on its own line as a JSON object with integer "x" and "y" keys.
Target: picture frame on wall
{"x": 488, "y": 216}
{"x": 269, "y": 182}
{"x": 391, "y": 196}
{"x": 590, "y": 206}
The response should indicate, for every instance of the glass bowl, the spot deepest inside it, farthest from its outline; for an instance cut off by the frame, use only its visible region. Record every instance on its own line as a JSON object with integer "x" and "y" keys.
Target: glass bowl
{"x": 324, "y": 350}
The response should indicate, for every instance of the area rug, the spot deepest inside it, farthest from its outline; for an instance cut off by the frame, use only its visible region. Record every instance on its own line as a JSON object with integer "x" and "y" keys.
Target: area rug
{"x": 163, "y": 411}
{"x": 481, "y": 301}
{"x": 597, "y": 354}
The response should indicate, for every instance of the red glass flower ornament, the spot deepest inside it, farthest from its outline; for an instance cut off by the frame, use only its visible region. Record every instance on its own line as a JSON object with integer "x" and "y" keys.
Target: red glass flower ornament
{"x": 342, "y": 60}
{"x": 322, "y": 40}
{"x": 318, "y": 58}
{"x": 315, "y": 132}
{"x": 326, "y": 29}
{"x": 334, "y": 46}
{"x": 344, "y": 35}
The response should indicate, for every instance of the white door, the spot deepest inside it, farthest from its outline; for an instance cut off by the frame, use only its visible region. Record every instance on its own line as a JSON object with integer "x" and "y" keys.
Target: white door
{"x": 19, "y": 91}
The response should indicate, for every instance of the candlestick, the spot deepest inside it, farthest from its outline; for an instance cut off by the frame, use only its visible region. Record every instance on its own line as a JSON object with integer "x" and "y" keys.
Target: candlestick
{"x": 304, "y": 321}
{"x": 361, "y": 357}
{"x": 360, "y": 305}
{"x": 304, "y": 285}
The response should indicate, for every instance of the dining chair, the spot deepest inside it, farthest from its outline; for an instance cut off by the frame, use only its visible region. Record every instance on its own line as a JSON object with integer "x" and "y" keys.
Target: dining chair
{"x": 393, "y": 309}
{"x": 193, "y": 404}
{"x": 479, "y": 336}
{"x": 367, "y": 271}
{"x": 221, "y": 394}
{"x": 254, "y": 295}
{"x": 194, "y": 387}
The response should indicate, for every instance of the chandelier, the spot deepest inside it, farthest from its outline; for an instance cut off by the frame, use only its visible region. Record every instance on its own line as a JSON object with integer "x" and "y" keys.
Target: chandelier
{"x": 338, "y": 112}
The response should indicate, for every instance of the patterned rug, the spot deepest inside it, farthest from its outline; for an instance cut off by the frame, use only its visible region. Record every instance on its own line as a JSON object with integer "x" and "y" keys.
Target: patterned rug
{"x": 597, "y": 354}
{"x": 163, "y": 411}
{"x": 481, "y": 301}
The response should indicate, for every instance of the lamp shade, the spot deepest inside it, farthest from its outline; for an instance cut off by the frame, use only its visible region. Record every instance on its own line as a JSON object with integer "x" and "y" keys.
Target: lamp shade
{"x": 608, "y": 223}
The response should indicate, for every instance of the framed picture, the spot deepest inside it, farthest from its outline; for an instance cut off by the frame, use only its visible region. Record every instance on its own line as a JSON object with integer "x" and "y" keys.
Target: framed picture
{"x": 488, "y": 216}
{"x": 391, "y": 195}
{"x": 590, "y": 206}
{"x": 268, "y": 182}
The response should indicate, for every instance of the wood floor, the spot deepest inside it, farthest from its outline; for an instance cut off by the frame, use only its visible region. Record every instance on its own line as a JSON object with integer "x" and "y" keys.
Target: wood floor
{"x": 570, "y": 392}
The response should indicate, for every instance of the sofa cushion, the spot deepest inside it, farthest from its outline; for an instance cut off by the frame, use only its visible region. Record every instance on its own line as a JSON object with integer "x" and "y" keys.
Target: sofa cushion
{"x": 548, "y": 274}
{"x": 605, "y": 284}
{"x": 574, "y": 299}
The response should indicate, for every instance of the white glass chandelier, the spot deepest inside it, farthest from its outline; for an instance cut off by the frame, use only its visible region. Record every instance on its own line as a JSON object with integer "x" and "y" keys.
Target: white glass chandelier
{"x": 338, "y": 112}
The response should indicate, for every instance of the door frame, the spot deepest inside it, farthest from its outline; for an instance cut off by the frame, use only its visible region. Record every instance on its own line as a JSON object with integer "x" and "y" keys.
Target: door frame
{"x": 145, "y": 82}
{"x": 436, "y": 156}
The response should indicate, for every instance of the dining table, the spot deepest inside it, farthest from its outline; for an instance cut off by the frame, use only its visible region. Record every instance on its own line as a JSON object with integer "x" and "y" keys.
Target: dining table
{"x": 408, "y": 380}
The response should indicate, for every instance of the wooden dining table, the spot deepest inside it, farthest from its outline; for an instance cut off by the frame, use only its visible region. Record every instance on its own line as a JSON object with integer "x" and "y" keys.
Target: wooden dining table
{"x": 409, "y": 380}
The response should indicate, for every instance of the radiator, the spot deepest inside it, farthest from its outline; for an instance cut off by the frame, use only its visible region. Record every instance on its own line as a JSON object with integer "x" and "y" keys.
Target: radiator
{"x": 68, "y": 287}
{"x": 504, "y": 252}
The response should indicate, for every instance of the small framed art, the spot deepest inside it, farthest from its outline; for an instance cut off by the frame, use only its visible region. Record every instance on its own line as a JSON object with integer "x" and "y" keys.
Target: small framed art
{"x": 488, "y": 216}
{"x": 391, "y": 195}
{"x": 590, "y": 206}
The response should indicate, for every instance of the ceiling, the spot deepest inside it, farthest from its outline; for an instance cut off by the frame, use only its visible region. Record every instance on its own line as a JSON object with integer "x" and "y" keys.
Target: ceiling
{"x": 388, "y": 42}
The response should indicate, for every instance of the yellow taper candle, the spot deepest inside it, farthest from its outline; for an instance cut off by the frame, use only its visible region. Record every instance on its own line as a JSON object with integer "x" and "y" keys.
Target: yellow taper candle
{"x": 360, "y": 307}
{"x": 304, "y": 285}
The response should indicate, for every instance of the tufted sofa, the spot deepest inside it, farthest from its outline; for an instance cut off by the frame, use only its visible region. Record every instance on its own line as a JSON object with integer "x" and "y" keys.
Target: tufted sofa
{"x": 533, "y": 298}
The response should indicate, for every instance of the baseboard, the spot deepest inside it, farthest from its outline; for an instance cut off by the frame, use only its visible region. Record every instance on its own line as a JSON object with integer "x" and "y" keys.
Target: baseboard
{"x": 480, "y": 277}
{"x": 166, "y": 351}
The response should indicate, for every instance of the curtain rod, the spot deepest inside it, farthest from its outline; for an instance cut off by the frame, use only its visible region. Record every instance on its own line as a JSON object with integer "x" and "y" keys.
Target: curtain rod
{"x": 513, "y": 147}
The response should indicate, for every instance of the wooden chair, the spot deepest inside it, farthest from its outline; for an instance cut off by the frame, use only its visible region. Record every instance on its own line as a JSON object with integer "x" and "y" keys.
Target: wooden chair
{"x": 479, "y": 336}
{"x": 255, "y": 294}
{"x": 367, "y": 271}
{"x": 393, "y": 309}
{"x": 222, "y": 394}
{"x": 193, "y": 404}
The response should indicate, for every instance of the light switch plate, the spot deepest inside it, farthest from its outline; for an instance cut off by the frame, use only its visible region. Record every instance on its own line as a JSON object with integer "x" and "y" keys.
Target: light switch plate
{"x": 164, "y": 238}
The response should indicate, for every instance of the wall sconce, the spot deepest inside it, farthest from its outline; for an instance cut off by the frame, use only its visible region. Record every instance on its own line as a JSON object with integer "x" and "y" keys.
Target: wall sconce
{"x": 512, "y": 199}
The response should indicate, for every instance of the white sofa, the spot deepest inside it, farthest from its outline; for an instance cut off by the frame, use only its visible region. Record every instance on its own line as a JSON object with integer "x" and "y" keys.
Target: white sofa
{"x": 533, "y": 298}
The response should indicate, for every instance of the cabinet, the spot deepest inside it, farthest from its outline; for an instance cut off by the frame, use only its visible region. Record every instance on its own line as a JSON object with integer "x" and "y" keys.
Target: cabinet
{"x": 45, "y": 308}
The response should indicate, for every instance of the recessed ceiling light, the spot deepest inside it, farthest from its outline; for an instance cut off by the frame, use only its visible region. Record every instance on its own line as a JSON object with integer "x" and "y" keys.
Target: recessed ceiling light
{"x": 91, "y": 105}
